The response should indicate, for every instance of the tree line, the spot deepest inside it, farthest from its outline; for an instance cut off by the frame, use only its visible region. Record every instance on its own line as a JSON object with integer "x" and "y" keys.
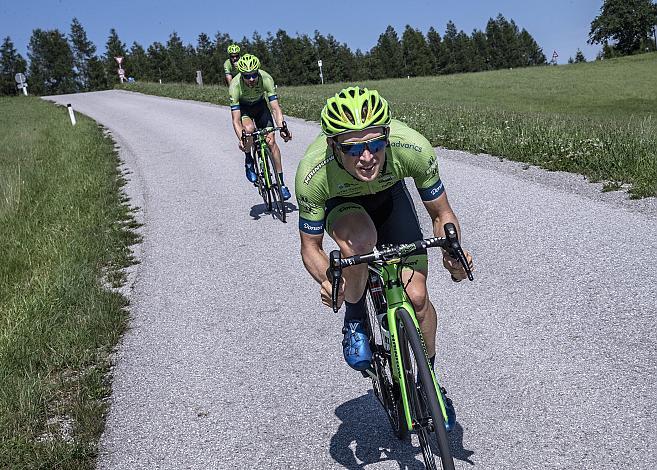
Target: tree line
{"x": 59, "y": 63}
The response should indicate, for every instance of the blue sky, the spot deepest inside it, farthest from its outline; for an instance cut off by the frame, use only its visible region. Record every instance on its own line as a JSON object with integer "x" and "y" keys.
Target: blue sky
{"x": 561, "y": 25}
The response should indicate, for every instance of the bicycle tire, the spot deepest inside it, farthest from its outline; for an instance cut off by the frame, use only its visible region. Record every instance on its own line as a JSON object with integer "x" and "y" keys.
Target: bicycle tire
{"x": 422, "y": 394}
{"x": 276, "y": 202}
{"x": 385, "y": 388}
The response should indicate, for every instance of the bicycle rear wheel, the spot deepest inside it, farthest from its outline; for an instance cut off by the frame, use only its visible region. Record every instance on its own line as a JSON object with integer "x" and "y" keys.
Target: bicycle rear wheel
{"x": 276, "y": 202}
{"x": 428, "y": 420}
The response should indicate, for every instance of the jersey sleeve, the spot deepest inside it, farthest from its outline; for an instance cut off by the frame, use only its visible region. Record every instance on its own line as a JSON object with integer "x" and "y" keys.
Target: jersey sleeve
{"x": 228, "y": 67}
{"x": 234, "y": 91}
{"x": 420, "y": 163}
{"x": 268, "y": 85}
{"x": 310, "y": 188}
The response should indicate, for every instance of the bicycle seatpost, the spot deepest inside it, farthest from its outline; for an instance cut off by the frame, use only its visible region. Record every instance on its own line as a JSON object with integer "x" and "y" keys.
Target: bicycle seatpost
{"x": 335, "y": 273}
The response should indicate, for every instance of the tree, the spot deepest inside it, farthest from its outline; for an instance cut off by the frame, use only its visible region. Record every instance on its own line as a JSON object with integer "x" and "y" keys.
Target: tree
{"x": 11, "y": 63}
{"x": 416, "y": 53}
{"x": 387, "y": 55}
{"x": 531, "y": 52}
{"x": 204, "y": 53}
{"x": 626, "y": 22}
{"x": 579, "y": 57}
{"x": 448, "y": 64}
{"x": 83, "y": 51}
{"x": 434, "y": 42}
{"x": 115, "y": 48}
{"x": 51, "y": 63}
{"x": 139, "y": 63}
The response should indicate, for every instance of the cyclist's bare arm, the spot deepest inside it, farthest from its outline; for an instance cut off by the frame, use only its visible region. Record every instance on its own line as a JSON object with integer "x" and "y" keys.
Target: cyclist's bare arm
{"x": 229, "y": 78}
{"x": 441, "y": 213}
{"x": 278, "y": 115}
{"x": 316, "y": 262}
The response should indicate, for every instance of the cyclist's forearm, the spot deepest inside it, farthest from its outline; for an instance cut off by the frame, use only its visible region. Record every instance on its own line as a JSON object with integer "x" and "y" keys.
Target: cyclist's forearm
{"x": 316, "y": 262}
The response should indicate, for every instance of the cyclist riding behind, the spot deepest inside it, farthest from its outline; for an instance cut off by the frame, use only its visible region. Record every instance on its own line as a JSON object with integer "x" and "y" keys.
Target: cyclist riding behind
{"x": 230, "y": 70}
{"x": 350, "y": 183}
{"x": 249, "y": 93}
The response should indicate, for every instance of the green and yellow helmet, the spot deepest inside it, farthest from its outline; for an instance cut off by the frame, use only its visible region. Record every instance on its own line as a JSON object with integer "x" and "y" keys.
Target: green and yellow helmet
{"x": 354, "y": 109}
{"x": 248, "y": 63}
{"x": 233, "y": 49}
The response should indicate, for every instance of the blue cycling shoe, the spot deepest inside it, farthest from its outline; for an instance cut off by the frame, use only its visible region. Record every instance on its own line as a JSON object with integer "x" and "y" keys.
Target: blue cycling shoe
{"x": 355, "y": 346}
{"x": 250, "y": 173}
{"x": 285, "y": 192}
{"x": 449, "y": 408}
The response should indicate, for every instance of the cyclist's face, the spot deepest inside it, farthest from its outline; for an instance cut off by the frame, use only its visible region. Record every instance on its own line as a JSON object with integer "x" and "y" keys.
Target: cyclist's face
{"x": 234, "y": 58}
{"x": 367, "y": 165}
{"x": 250, "y": 79}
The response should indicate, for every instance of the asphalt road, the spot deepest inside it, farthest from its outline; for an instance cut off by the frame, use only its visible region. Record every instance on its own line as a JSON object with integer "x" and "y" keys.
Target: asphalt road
{"x": 231, "y": 361}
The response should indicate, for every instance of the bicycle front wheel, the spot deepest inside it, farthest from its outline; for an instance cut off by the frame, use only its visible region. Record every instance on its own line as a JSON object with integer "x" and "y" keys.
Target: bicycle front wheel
{"x": 425, "y": 409}
{"x": 260, "y": 177}
{"x": 276, "y": 202}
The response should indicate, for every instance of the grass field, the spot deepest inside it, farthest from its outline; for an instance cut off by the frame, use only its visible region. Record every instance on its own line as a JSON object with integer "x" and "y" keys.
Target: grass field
{"x": 64, "y": 235}
{"x": 598, "y": 119}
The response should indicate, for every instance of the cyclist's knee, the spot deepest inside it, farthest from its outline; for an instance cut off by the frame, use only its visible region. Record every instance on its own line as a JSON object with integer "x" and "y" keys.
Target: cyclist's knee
{"x": 248, "y": 126}
{"x": 354, "y": 235}
{"x": 419, "y": 297}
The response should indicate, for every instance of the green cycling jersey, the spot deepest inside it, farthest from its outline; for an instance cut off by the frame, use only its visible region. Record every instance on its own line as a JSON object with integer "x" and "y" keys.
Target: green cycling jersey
{"x": 320, "y": 177}
{"x": 230, "y": 68}
{"x": 242, "y": 94}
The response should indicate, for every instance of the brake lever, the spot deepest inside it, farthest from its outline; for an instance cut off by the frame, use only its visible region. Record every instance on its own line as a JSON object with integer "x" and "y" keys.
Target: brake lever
{"x": 334, "y": 272}
{"x": 454, "y": 248}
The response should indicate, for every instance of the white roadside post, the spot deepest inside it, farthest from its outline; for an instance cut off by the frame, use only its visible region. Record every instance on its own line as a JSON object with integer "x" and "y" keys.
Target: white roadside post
{"x": 71, "y": 114}
{"x": 119, "y": 60}
{"x": 21, "y": 83}
{"x": 199, "y": 78}
{"x": 321, "y": 75}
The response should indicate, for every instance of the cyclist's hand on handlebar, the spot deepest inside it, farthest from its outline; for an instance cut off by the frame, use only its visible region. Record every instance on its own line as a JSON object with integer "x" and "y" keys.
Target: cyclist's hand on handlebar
{"x": 286, "y": 135}
{"x": 241, "y": 145}
{"x": 454, "y": 266}
{"x": 325, "y": 291}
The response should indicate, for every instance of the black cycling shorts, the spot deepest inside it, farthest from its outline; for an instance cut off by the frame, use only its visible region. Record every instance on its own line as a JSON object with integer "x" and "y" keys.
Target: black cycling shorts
{"x": 392, "y": 212}
{"x": 259, "y": 113}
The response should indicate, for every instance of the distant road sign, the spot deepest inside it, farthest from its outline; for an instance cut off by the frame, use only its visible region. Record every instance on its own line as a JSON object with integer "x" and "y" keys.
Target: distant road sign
{"x": 118, "y": 60}
{"x": 19, "y": 77}
{"x": 121, "y": 73}
{"x": 319, "y": 63}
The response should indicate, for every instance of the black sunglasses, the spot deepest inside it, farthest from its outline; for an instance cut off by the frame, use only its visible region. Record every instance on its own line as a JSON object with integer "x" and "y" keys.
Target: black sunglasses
{"x": 356, "y": 149}
{"x": 250, "y": 76}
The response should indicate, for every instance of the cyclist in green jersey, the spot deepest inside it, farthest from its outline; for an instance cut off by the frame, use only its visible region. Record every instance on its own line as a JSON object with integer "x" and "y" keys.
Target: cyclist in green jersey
{"x": 230, "y": 69}
{"x": 250, "y": 92}
{"x": 350, "y": 183}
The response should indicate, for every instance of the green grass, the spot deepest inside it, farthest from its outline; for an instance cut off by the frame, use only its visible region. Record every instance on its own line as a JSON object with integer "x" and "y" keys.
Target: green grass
{"x": 64, "y": 234}
{"x": 597, "y": 119}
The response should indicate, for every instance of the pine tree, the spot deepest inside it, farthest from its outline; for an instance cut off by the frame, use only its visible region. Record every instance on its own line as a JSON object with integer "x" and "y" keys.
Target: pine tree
{"x": 387, "y": 55}
{"x": 157, "y": 61}
{"x": 449, "y": 64}
{"x": 11, "y": 63}
{"x": 531, "y": 52}
{"x": 579, "y": 57}
{"x": 481, "y": 57}
{"x": 175, "y": 68}
{"x": 138, "y": 63}
{"x": 416, "y": 53}
{"x": 204, "y": 53}
{"x": 434, "y": 42}
{"x": 83, "y": 51}
{"x": 51, "y": 63}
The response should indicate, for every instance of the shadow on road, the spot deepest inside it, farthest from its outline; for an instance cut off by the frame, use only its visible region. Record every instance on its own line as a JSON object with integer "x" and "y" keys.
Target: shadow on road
{"x": 259, "y": 210}
{"x": 365, "y": 437}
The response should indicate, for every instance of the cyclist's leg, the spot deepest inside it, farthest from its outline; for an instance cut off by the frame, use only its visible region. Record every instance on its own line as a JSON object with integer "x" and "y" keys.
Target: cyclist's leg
{"x": 354, "y": 232}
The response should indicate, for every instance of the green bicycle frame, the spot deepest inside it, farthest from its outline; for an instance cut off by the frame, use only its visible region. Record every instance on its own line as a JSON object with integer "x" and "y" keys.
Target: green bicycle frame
{"x": 262, "y": 146}
{"x": 396, "y": 298}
